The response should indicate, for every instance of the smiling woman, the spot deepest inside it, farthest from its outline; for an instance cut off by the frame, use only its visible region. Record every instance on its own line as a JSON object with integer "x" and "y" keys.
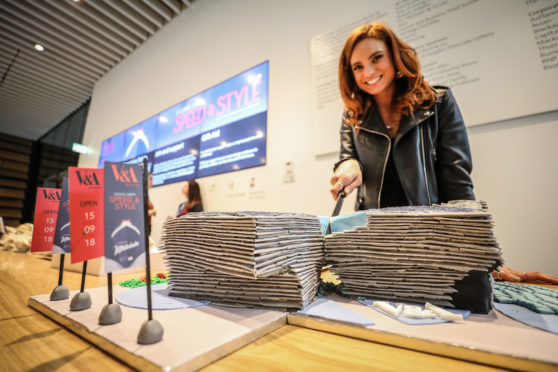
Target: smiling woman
{"x": 373, "y": 68}
{"x": 403, "y": 141}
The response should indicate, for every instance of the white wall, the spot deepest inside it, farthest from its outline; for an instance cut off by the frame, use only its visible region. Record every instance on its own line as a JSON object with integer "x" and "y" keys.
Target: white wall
{"x": 515, "y": 170}
{"x": 216, "y": 39}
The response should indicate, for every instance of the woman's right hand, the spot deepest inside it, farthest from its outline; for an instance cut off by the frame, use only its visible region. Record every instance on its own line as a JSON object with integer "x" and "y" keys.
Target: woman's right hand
{"x": 348, "y": 176}
{"x": 511, "y": 275}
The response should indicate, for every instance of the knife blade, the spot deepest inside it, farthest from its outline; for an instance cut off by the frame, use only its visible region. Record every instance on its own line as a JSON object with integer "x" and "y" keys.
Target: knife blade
{"x": 336, "y": 210}
{"x": 339, "y": 203}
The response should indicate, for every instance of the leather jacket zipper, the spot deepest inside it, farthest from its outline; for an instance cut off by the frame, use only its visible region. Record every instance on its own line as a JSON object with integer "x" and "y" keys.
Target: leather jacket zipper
{"x": 385, "y": 160}
{"x": 424, "y": 165}
{"x": 427, "y": 115}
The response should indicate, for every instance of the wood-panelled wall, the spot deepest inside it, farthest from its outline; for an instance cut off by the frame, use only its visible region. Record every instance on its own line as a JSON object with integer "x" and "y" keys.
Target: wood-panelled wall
{"x": 54, "y": 161}
{"x": 15, "y": 157}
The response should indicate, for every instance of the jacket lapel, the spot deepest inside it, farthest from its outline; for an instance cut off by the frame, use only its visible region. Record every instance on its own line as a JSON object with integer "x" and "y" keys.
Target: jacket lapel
{"x": 408, "y": 122}
{"x": 373, "y": 121}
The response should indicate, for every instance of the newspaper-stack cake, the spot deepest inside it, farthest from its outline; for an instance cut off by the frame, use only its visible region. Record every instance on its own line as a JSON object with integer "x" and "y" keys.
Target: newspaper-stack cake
{"x": 249, "y": 259}
{"x": 414, "y": 254}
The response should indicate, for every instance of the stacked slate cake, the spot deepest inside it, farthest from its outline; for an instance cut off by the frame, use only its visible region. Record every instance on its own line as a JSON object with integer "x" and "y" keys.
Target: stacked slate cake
{"x": 248, "y": 259}
{"x": 417, "y": 254}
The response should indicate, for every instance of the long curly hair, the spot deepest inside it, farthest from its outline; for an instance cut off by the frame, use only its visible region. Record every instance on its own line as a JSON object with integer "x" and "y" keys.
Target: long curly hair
{"x": 411, "y": 90}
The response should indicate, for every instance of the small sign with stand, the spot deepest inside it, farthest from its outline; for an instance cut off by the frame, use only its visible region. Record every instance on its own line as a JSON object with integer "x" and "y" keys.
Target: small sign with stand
{"x": 87, "y": 223}
{"x": 124, "y": 227}
{"x": 44, "y": 222}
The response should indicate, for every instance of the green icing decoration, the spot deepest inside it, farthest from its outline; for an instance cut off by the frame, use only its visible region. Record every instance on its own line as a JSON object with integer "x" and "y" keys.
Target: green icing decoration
{"x": 134, "y": 283}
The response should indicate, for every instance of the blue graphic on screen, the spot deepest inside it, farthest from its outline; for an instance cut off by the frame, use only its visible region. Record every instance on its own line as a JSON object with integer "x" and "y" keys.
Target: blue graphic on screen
{"x": 112, "y": 149}
{"x": 140, "y": 139}
{"x": 221, "y": 129}
{"x": 231, "y": 147}
{"x": 176, "y": 162}
{"x": 139, "y": 160}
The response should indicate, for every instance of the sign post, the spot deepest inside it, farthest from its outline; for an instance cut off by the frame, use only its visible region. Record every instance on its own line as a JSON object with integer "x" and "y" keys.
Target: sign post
{"x": 61, "y": 244}
{"x": 151, "y": 330}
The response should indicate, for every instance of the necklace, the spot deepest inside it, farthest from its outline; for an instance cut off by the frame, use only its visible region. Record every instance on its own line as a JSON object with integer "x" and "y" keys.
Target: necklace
{"x": 390, "y": 124}
{"x": 392, "y": 127}
{"x": 391, "y": 121}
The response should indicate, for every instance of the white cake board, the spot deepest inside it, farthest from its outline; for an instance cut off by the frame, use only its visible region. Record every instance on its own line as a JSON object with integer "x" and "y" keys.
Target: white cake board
{"x": 193, "y": 337}
{"x": 491, "y": 339}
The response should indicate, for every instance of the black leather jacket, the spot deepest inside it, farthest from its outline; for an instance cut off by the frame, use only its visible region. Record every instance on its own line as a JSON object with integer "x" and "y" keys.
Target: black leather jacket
{"x": 431, "y": 154}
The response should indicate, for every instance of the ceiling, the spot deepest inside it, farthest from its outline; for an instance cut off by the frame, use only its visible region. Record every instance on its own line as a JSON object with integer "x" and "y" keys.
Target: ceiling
{"x": 82, "y": 41}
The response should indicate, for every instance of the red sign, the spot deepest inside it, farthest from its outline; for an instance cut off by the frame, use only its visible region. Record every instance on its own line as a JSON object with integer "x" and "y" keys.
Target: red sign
{"x": 86, "y": 186}
{"x": 44, "y": 224}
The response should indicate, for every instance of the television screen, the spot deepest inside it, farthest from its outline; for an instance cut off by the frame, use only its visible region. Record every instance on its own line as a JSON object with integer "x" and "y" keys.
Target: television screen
{"x": 219, "y": 130}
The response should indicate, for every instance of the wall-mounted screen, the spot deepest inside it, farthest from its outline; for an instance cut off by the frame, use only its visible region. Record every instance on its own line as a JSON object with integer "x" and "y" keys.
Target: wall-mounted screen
{"x": 219, "y": 130}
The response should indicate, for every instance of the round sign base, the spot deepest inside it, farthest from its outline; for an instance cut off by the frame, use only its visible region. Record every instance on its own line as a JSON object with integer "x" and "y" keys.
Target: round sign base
{"x": 151, "y": 332}
{"x": 111, "y": 314}
{"x": 80, "y": 301}
{"x": 61, "y": 292}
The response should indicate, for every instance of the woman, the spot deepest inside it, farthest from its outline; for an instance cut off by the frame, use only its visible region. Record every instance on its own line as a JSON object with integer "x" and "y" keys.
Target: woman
{"x": 403, "y": 142}
{"x": 193, "y": 203}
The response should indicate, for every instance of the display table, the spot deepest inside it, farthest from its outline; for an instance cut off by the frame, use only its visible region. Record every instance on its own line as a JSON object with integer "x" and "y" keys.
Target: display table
{"x": 29, "y": 340}
{"x": 193, "y": 337}
{"x": 491, "y": 339}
